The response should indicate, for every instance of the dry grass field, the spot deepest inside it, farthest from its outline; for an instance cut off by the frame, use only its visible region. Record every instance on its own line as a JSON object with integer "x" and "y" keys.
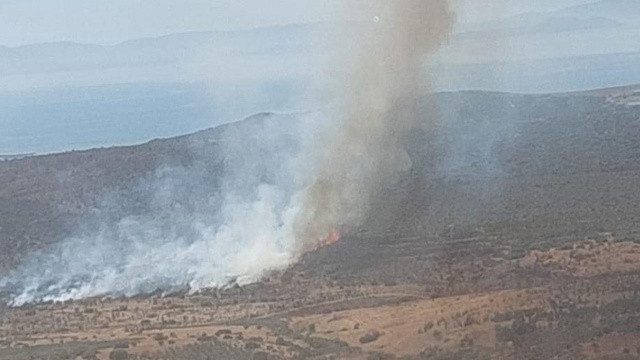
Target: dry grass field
{"x": 576, "y": 303}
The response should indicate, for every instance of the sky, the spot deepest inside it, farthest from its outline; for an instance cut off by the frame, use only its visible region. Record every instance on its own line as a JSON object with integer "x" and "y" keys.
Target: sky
{"x": 112, "y": 21}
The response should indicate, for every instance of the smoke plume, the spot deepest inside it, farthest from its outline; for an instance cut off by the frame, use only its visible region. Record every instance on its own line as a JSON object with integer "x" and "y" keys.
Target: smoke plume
{"x": 383, "y": 77}
{"x": 222, "y": 219}
{"x": 269, "y": 189}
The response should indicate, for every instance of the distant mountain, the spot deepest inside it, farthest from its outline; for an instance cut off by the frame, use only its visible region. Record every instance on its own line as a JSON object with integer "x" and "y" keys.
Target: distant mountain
{"x": 563, "y": 24}
{"x": 627, "y": 11}
{"x": 603, "y": 14}
{"x": 536, "y": 23}
{"x": 165, "y": 50}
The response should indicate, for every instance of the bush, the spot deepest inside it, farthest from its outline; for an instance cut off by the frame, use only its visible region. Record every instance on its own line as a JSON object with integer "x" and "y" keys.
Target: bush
{"x": 223, "y": 332}
{"x": 259, "y": 355}
{"x": 251, "y": 346}
{"x": 467, "y": 341}
{"x": 118, "y": 354}
{"x": 370, "y": 337}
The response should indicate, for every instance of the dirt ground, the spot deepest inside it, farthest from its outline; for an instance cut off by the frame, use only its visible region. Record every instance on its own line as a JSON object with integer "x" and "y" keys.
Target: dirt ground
{"x": 587, "y": 307}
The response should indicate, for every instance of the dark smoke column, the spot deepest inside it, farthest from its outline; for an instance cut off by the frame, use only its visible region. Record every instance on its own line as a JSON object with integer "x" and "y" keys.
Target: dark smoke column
{"x": 384, "y": 73}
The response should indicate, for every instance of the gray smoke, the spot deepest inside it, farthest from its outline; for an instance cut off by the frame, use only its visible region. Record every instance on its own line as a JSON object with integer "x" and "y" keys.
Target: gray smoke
{"x": 384, "y": 61}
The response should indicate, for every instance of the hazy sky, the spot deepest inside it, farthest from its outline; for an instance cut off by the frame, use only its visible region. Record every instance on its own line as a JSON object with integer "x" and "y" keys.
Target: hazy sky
{"x": 110, "y": 21}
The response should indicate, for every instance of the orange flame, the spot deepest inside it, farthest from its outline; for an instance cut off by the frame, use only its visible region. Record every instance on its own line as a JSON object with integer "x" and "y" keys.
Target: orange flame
{"x": 333, "y": 238}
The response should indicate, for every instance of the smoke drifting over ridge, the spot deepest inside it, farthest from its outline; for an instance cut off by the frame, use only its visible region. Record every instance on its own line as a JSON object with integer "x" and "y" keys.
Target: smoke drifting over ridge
{"x": 221, "y": 219}
{"x": 376, "y": 113}
{"x": 278, "y": 185}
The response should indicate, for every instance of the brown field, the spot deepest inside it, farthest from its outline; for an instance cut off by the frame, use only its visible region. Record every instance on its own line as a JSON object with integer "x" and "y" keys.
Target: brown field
{"x": 575, "y": 303}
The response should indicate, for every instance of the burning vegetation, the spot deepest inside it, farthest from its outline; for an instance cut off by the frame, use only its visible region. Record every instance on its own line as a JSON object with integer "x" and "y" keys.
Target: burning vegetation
{"x": 333, "y": 238}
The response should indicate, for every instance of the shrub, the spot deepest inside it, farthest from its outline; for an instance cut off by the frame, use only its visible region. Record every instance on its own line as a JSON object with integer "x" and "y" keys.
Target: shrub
{"x": 370, "y": 337}
{"x": 251, "y": 345}
{"x": 118, "y": 354}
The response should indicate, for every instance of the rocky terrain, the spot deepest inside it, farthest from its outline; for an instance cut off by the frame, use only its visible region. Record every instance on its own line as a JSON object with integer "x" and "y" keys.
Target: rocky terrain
{"x": 513, "y": 236}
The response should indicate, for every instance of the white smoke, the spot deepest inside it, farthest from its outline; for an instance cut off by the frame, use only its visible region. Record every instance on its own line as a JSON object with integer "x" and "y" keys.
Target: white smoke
{"x": 187, "y": 228}
{"x": 278, "y": 185}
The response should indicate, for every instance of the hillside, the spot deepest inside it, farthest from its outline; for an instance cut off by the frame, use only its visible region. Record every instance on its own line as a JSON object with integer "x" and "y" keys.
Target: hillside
{"x": 513, "y": 236}
{"x": 513, "y": 167}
